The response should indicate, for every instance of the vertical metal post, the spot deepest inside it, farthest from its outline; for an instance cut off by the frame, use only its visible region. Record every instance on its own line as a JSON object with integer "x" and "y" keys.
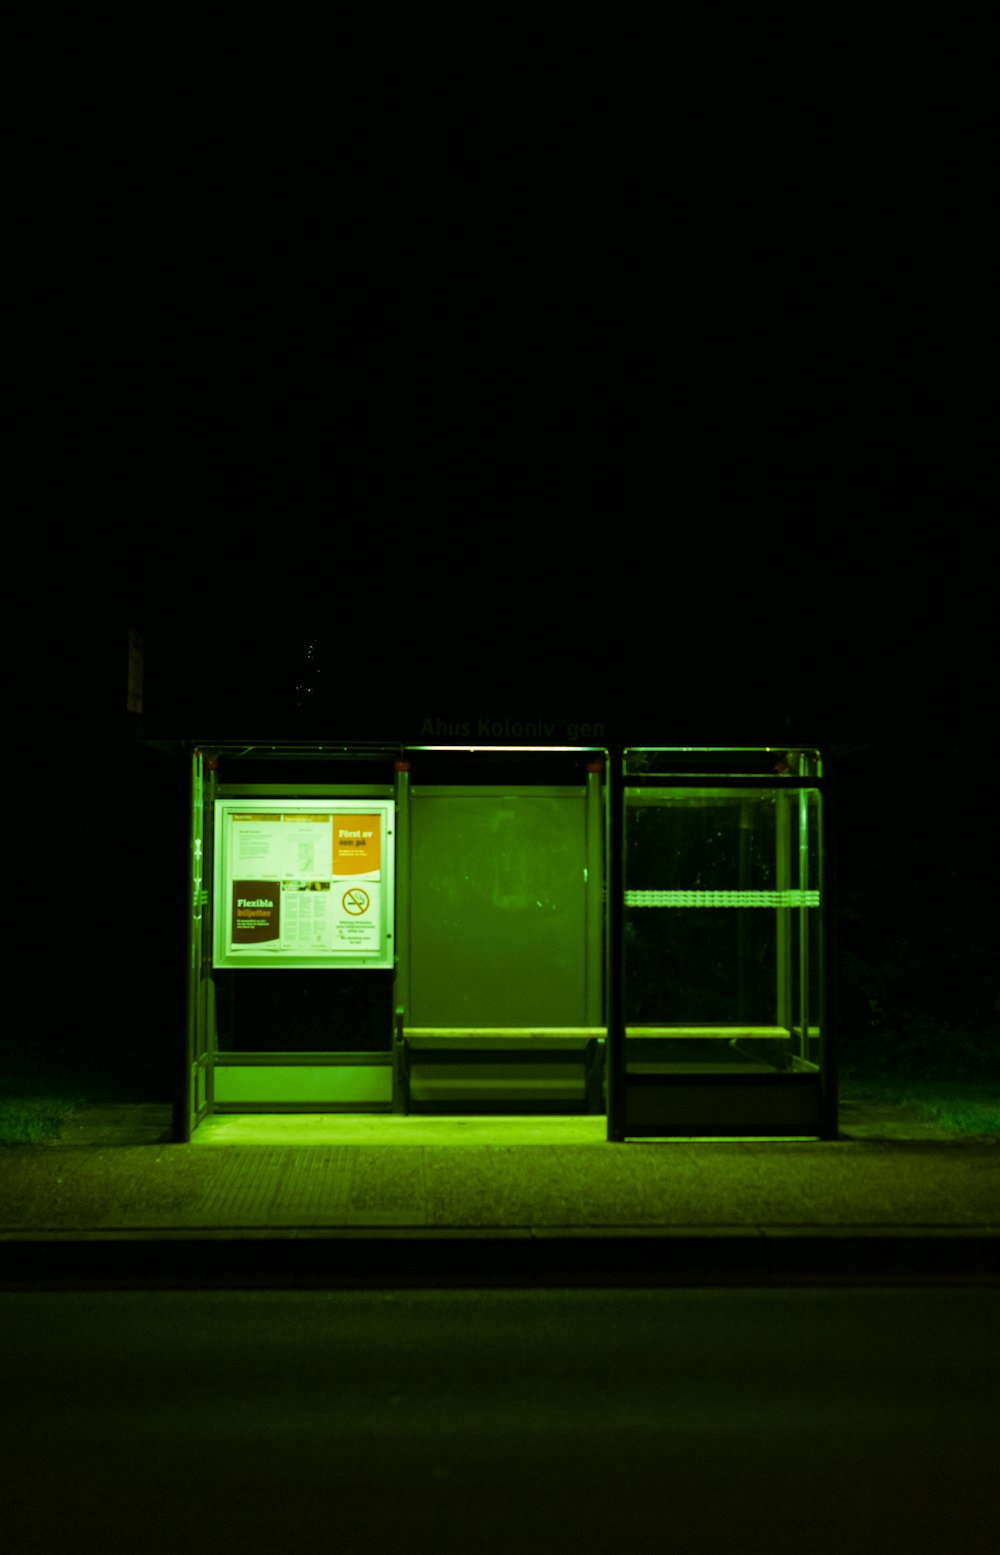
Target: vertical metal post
{"x": 804, "y": 969}
{"x": 401, "y": 994}
{"x": 208, "y": 1034}
{"x": 783, "y": 882}
{"x": 829, "y": 1122}
{"x": 616, "y": 945}
{"x": 594, "y": 899}
{"x": 184, "y": 1103}
{"x": 742, "y": 1010}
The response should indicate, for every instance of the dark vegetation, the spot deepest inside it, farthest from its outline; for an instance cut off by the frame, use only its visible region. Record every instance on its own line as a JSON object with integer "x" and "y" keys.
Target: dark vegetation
{"x": 918, "y": 924}
{"x": 41, "y": 1091}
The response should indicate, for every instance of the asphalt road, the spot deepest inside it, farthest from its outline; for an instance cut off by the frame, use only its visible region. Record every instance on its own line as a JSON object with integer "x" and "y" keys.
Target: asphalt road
{"x": 737, "y": 1419}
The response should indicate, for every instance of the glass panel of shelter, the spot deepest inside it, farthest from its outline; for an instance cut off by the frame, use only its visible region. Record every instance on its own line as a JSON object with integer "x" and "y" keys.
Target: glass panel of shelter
{"x": 721, "y": 928}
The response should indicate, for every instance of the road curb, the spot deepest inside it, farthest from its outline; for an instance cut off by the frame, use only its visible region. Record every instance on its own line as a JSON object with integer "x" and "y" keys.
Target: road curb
{"x": 339, "y": 1259}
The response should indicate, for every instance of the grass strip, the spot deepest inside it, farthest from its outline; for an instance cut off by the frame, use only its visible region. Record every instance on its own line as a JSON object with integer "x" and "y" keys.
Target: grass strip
{"x": 963, "y": 1107}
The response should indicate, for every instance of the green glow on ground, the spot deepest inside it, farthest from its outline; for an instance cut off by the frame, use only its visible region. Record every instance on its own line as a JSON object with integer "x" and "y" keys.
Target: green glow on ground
{"x": 722, "y": 1139}
{"x": 488, "y": 750}
{"x": 325, "y": 1128}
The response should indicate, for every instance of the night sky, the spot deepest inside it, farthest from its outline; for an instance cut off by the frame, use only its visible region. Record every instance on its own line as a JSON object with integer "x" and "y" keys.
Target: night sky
{"x": 525, "y": 358}
{"x": 623, "y": 365}
{"x": 536, "y": 359}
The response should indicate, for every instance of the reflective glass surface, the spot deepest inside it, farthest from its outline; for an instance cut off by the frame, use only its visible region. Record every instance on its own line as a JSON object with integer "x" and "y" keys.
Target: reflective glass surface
{"x": 722, "y": 928}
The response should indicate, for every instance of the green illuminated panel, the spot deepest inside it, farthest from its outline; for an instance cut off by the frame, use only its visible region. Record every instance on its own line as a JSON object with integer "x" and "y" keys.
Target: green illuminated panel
{"x": 499, "y": 908}
{"x": 490, "y": 1082}
{"x": 730, "y": 1034}
{"x": 261, "y": 1083}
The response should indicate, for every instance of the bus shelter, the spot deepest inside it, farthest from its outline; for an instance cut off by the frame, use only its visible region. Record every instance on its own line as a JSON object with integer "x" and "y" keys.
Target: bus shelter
{"x": 510, "y": 930}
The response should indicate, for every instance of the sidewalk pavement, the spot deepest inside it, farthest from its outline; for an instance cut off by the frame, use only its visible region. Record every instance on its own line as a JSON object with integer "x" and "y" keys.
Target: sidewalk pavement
{"x": 348, "y": 1200}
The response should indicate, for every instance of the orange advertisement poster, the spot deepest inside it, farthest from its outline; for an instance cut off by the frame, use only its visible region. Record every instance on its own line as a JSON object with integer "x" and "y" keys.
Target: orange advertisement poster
{"x": 357, "y": 845}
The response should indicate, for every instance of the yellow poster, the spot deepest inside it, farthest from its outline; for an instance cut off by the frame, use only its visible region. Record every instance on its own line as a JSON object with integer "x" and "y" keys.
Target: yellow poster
{"x": 356, "y": 846}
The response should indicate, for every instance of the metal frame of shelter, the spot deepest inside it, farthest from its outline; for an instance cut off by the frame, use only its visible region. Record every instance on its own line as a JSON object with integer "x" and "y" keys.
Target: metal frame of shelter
{"x": 599, "y": 1053}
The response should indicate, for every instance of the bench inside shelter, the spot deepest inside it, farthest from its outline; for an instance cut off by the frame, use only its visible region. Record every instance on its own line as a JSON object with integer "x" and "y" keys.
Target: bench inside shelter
{"x": 444, "y": 1068}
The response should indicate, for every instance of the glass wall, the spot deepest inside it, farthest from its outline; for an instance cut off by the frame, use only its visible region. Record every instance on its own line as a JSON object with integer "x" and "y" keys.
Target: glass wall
{"x": 722, "y": 936}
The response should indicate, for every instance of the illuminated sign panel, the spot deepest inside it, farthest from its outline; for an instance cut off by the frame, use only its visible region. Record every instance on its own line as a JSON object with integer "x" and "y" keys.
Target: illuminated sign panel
{"x": 304, "y": 883}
